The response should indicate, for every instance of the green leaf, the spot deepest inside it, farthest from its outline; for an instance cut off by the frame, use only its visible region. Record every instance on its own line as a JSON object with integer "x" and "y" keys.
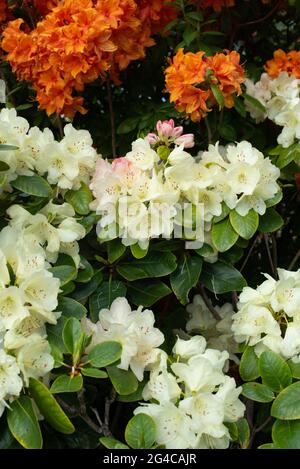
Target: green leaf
{"x": 245, "y": 226}
{"x": 49, "y": 408}
{"x": 155, "y": 264}
{"x": 105, "y": 354}
{"x": 115, "y": 249}
{"x": 85, "y": 272}
{"x": 65, "y": 273}
{"x": 71, "y": 334}
{"x": 140, "y": 432}
{"x": 4, "y": 147}
{"x": 222, "y": 278}
{"x": 80, "y": 199}
{"x": 274, "y": 371}
{"x": 258, "y": 392}
{"x": 227, "y": 132}
{"x": 3, "y": 179}
{"x": 267, "y": 446}
{"x": 103, "y": 297}
{"x": 112, "y": 443}
{"x": 23, "y": 423}
{"x": 270, "y": 221}
{"x": 128, "y": 125}
{"x": 33, "y": 185}
{"x": 274, "y": 200}
{"x": 147, "y": 292}
{"x": 137, "y": 252}
{"x": 218, "y": 95}
{"x": 223, "y": 235}
{"x": 255, "y": 102}
{"x": 93, "y": 373}
{"x": 225, "y": 212}
{"x": 66, "y": 383}
{"x": 185, "y": 277}
{"x": 286, "y": 434}
{"x": 205, "y": 251}
{"x": 249, "y": 365}
{"x": 71, "y": 308}
{"x": 124, "y": 382}
{"x": 88, "y": 288}
{"x": 134, "y": 396}
{"x": 243, "y": 433}
{"x": 295, "y": 369}
{"x": 3, "y": 166}
{"x": 287, "y": 155}
{"x": 239, "y": 106}
{"x": 287, "y": 404}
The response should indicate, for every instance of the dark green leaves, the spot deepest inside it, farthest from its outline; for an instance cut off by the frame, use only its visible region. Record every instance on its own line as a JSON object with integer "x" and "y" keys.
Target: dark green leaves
{"x": 287, "y": 404}
{"x": 223, "y": 235}
{"x": 123, "y": 381}
{"x": 274, "y": 371}
{"x": 185, "y": 277}
{"x": 245, "y": 226}
{"x": 249, "y": 365}
{"x": 33, "y": 185}
{"x": 270, "y": 221}
{"x": 222, "y": 278}
{"x": 65, "y": 383}
{"x": 147, "y": 292}
{"x": 105, "y": 354}
{"x": 155, "y": 264}
{"x": 258, "y": 392}
{"x": 80, "y": 199}
{"x": 103, "y": 297}
{"x": 286, "y": 434}
{"x": 23, "y": 423}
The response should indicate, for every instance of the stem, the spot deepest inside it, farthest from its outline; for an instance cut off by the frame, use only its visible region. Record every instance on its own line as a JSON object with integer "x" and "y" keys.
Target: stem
{"x": 266, "y": 239}
{"x": 108, "y": 402}
{"x": 209, "y": 134}
{"x": 208, "y": 303}
{"x": 112, "y": 119}
{"x": 250, "y": 252}
{"x": 257, "y": 430}
{"x": 294, "y": 260}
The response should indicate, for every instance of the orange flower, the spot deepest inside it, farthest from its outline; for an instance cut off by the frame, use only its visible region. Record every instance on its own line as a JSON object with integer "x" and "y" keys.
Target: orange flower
{"x": 79, "y": 41}
{"x": 189, "y": 77}
{"x": 284, "y": 62}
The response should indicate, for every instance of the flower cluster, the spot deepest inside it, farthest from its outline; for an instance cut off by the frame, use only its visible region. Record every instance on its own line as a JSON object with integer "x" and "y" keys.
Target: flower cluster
{"x": 133, "y": 329}
{"x": 194, "y": 397}
{"x": 284, "y": 62}
{"x": 78, "y": 41}
{"x": 192, "y": 78}
{"x": 141, "y": 196}
{"x": 216, "y": 329}
{"x": 268, "y": 317}
{"x": 281, "y": 98}
{"x": 66, "y": 164}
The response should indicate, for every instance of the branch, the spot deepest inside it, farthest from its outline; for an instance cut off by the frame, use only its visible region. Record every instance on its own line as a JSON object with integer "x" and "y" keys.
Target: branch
{"x": 112, "y": 118}
{"x": 250, "y": 252}
{"x": 294, "y": 260}
{"x": 263, "y": 18}
{"x": 271, "y": 262}
{"x": 208, "y": 303}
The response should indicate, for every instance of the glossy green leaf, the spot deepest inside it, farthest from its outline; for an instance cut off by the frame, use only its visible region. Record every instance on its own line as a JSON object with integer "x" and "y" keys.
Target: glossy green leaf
{"x": 287, "y": 404}
{"x": 245, "y": 226}
{"x": 49, "y": 407}
{"x": 286, "y": 434}
{"x": 23, "y": 423}
{"x": 93, "y": 373}
{"x": 274, "y": 371}
{"x": 88, "y": 288}
{"x": 104, "y": 295}
{"x": 33, "y": 185}
{"x": 147, "y": 292}
{"x": 155, "y": 264}
{"x": 80, "y": 199}
{"x": 66, "y": 383}
{"x": 185, "y": 277}
{"x": 223, "y": 235}
{"x": 123, "y": 381}
{"x": 270, "y": 221}
{"x": 71, "y": 308}
{"x": 243, "y": 433}
{"x": 218, "y": 95}
{"x": 105, "y": 354}
{"x": 71, "y": 334}
{"x": 85, "y": 272}
{"x": 249, "y": 365}
{"x": 138, "y": 252}
{"x": 222, "y": 278}
{"x": 115, "y": 250}
{"x": 140, "y": 432}
{"x": 65, "y": 273}
{"x": 258, "y": 392}
{"x": 112, "y": 443}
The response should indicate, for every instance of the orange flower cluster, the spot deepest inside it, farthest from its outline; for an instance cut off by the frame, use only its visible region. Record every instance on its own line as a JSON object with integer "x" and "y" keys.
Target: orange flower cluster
{"x": 78, "y": 41}
{"x": 284, "y": 62}
{"x": 190, "y": 76}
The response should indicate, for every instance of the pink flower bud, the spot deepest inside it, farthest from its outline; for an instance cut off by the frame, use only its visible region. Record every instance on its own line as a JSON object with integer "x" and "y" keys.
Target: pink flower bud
{"x": 177, "y": 131}
{"x": 165, "y": 128}
{"x": 152, "y": 138}
{"x": 187, "y": 140}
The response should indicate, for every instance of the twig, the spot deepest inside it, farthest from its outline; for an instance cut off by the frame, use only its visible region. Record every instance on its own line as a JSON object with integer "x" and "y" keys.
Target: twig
{"x": 208, "y": 303}
{"x": 257, "y": 430}
{"x": 250, "y": 252}
{"x": 112, "y": 119}
{"x": 266, "y": 239}
{"x": 108, "y": 402}
{"x": 294, "y": 260}
{"x": 263, "y": 18}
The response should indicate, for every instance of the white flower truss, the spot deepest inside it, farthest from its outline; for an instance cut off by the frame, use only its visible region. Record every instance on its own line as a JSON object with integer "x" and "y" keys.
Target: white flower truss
{"x": 66, "y": 164}
{"x": 194, "y": 398}
{"x": 268, "y": 317}
{"x": 141, "y": 196}
{"x": 281, "y": 98}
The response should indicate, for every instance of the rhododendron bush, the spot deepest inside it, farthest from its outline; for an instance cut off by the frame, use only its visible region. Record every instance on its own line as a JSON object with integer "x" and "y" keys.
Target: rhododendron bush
{"x": 149, "y": 235}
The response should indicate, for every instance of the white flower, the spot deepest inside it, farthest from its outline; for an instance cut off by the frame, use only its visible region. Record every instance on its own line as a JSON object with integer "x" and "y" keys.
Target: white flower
{"x": 243, "y": 152}
{"x": 40, "y": 290}
{"x": 34, "y": 358}
{"x": 4, "y": 274}
{"x": 173, "y": 426}
{"x": 142, "y": 155}
{"x": 228, "y": 392}
{"x": 12, "y": 307}
{"x": 189, "y": 348}
{"x": 251, "y": 322}
{"x": 162, "y": 387}
{"x": 243, "y": 177}
{"x": 10, "y": 381}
